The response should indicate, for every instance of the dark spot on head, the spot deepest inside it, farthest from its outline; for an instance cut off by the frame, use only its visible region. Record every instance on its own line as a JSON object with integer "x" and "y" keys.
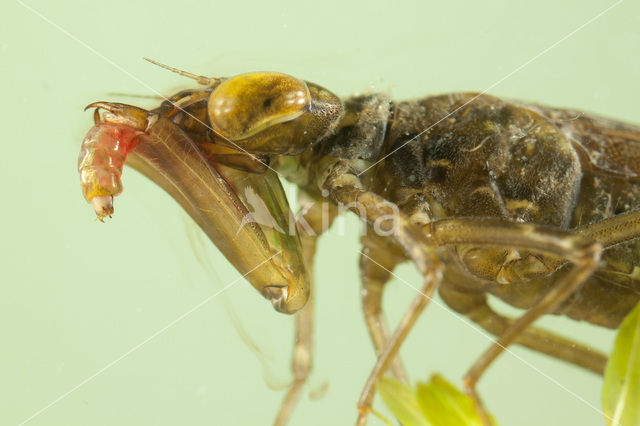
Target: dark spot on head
{"x": 267, "y": 103}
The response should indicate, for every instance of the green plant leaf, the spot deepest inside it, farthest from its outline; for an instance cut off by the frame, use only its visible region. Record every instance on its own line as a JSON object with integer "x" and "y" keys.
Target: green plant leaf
{"x": 621, "y": 391}
{"x": 402, "y": 402}
{"x": 443, "y": 404}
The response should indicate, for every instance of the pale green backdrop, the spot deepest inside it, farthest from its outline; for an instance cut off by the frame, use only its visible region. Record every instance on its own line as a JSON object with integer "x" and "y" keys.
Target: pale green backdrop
{"x": 76, "y": 296}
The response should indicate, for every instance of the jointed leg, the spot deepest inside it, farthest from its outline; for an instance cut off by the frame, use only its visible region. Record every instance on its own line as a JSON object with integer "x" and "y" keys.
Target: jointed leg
{"x": 301, "y": 362}
{"x": 612, "y": 231}
{"x": 346, "y": 189}
{"x": 431, "y": 283}
{"x": 581, "y": 248}
{"x": 583, "y": 254}
{"x": 316, "y": 216}
{"x": 376, "y": 262}
{"x": 475, "y": 307}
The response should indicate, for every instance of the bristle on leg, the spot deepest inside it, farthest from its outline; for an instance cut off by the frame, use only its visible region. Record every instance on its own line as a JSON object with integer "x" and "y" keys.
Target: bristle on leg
{"x": 102, "y": 205}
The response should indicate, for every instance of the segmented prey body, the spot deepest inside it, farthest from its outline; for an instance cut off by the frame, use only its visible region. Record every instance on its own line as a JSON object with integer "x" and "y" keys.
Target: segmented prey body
{"x": 102, "y": 156}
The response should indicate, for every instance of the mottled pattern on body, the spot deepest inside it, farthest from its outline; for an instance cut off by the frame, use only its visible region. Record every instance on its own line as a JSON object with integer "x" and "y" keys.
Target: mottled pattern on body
{"x": 461, "y": 156}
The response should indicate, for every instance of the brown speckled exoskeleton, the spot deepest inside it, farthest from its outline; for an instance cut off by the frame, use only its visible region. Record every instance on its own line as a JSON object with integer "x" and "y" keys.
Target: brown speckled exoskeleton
{"x": 537, "y": 206}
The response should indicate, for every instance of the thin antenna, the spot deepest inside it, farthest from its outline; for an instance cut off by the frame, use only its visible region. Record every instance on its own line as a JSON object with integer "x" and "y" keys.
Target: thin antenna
{"x": 206, "y": 81}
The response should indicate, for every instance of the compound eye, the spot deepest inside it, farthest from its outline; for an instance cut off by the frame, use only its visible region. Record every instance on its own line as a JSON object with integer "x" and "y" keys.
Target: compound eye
{"x": 246, "y": 104}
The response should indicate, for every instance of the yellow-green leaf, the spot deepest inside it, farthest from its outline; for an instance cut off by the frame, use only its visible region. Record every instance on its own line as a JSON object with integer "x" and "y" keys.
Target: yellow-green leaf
{"x": 443, "y": 404}
{"x": 621, "y": 391}
{"x": 402, "y": 402}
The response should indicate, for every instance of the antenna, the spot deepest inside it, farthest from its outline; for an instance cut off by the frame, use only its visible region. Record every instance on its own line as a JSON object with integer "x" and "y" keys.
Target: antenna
{"x": 206, "y": 81}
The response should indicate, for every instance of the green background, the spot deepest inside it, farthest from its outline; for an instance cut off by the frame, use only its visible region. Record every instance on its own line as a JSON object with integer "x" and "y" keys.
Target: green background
{"x": 76, "y": 295}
